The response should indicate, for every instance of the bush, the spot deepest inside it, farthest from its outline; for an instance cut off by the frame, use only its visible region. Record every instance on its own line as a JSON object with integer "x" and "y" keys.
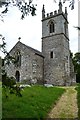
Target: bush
{"x": 9, "y": 86}
{"x": 8, "y": 81}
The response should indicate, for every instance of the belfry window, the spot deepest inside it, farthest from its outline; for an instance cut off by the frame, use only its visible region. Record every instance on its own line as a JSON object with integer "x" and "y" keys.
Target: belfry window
{"x": 65, "y": 27}
{"x": 51, "y": 54}
{"x": 51, "y": 27}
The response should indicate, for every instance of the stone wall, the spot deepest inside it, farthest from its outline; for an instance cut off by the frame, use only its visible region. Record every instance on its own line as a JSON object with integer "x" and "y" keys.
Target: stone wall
{"x": 54, "y": 68}
{"x": 59, "y": 21}
{"x": 31, "y": 69}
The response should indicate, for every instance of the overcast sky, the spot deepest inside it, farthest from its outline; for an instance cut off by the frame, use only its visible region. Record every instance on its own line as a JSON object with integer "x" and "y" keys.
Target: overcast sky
{"x": 30, "y": 29}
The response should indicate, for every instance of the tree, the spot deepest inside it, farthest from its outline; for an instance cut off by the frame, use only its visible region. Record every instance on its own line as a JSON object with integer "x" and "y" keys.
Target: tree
{"x": 78, "y": 28}
{"x": 8, "y": 82}
{"x": 76, "y": 62}
{"x": 25, "y": 6}
{"x": 2, "y": 44}
{"x": 70, "y": 1}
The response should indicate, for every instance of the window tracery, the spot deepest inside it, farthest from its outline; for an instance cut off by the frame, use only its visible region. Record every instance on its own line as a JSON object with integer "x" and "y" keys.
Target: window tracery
{"x": 18, "y": 59}
{"x": 51, "y": 27}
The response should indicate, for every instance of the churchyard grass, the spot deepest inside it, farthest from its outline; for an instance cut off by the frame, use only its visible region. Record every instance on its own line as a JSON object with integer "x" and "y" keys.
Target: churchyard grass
{"x": 36, "y": 102}
{"x": 78, "y": 99}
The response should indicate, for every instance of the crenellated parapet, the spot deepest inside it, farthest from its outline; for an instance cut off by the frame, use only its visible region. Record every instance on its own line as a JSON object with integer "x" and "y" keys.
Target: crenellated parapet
{"x": 55, "y": 13}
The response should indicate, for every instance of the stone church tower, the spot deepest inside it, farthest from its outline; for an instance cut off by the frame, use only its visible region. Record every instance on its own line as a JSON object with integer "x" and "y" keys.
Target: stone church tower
{"x": 55, "y": 47}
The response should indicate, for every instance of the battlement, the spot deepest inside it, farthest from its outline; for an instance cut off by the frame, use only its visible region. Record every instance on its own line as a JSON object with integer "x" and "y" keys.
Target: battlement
{"x": 51, "y": 14}
{"x": 56, "y": 13}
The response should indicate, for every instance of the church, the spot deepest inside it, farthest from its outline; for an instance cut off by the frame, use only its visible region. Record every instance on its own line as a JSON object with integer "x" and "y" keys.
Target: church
{"x": 54, "y": 64}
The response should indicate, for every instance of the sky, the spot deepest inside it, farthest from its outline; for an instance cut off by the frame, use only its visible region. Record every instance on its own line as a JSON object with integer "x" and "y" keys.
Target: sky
{"x": 79, "y": 26}
{"x": 30, "y": 29}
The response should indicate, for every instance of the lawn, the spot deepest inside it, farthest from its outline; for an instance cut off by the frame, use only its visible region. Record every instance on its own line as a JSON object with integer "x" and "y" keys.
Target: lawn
{"x": 78, "y": 99}
{"x": 36, "y": 102}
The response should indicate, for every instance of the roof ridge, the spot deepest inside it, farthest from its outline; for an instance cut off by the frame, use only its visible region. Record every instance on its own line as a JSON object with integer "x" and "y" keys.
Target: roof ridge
{"x": 35, "y": 50}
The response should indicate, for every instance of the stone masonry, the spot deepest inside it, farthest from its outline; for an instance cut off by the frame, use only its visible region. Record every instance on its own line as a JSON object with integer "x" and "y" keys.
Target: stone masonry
{"x": 31, "y": 67}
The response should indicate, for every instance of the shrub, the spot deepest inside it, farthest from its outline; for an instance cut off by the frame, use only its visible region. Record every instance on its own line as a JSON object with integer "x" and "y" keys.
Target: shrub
{"x": 9, "y": 86}
{"x": 8, "y": 81}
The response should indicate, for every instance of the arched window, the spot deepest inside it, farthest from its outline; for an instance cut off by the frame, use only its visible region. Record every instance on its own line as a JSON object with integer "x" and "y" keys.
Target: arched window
{"x": 51, "y": 27}
{"x": 18, "y": 59}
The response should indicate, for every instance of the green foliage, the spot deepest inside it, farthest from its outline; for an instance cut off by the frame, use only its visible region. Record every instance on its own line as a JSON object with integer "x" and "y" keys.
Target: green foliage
{"x": 8, "y": 81}
{"x": 78, "y": 99}
{"x": 0, "y": 83}
{"x": 8, "y": 59}
{"x": 9, "y": 86}
{"x": 2, "y": 44}
{"x": 76, "y": 62}
{"x": 36, "y": 102}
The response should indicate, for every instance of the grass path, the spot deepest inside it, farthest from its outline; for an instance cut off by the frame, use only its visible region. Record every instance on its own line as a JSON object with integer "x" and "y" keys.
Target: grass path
{"x": 66, "y": 106}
